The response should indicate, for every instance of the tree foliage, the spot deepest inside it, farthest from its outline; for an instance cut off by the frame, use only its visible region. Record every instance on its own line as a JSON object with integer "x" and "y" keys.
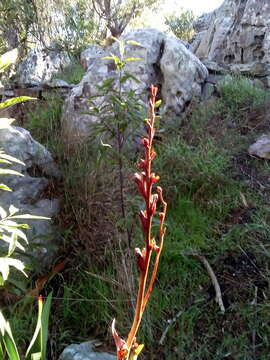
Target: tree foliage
{"x": 118, "y": 13}
{"x": 181, "y": 25}
{"x": 27, "y": 23}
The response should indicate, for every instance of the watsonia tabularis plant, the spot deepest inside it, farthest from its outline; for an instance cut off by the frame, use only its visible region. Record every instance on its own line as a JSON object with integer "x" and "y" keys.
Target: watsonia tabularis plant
{"x": 145, "y": 179}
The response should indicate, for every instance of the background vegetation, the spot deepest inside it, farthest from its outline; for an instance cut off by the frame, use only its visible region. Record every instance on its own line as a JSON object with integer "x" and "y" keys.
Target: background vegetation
{"x": 218, "y": 198}
{"x": 218, "y": 208}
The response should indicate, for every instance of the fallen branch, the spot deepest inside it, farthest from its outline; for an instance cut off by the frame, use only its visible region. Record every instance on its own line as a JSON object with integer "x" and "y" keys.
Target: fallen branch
{"x": 170, "y": 324}
{"x": 214, "y": 280}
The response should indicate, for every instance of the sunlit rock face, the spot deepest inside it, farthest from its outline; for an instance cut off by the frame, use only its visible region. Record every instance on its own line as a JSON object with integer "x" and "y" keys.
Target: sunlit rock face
{"x": 40, "y": 66}
{"x": 238, "y": 33}
{"x": 164, "y": 61}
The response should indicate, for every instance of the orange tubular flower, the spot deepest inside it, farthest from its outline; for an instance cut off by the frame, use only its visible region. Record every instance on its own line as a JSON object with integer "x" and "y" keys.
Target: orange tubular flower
{"x": 128, "y": 350}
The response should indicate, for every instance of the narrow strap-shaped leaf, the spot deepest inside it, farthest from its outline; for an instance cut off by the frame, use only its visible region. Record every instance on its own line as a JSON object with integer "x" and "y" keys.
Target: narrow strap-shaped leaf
{"x": 7, "y": 339}
{"x": 35, "y": 342}
{"x": 8, "y": 58}
{"x": 14, "y": 101}
{"x": 45, "y": 326}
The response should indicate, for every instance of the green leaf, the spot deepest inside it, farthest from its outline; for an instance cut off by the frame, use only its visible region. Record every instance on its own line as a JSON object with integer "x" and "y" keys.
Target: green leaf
{"x": 38, "y": 343}
{"x": 8, "y": 58}
{"x": 116, "y": 59}
{"x": 2, "y": 356}
{"x": 8, "y": 239}
{"x": 115, "y": 39}
{"x": 132, "y": 59}
{"x": 158, "y": 103}
{"x": 133, "y": 42}
{"x": 36, "y": 356}
{"x": 5, "y": 122}
{"x": 14, "y": 101}
{"x": 3, "y": 213}
{"x": 8, "y": 339}
{"x": 45, "y": 325}
{"x": 10, "y": 158}
{"x": 12, "y": 244}
{"x": 6, "y": 262}
{"x": 12, "y": 210}
{"x": 30, "y": 217}
{"x": 121, "y": 48}
{"x": 127, "y": 76}
{"x": 35, "y": 343}
{"x": 10, "y": 172}
{"x": 4, "y": 268}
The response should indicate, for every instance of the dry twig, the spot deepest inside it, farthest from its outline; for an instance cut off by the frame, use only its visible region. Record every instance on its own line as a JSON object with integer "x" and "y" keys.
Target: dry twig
{"x": 214, "y": 280}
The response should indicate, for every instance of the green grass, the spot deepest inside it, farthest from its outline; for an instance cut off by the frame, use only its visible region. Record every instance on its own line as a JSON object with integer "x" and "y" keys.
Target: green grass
{"x": 238, "y": 96}
{"x": 72, "y": 73}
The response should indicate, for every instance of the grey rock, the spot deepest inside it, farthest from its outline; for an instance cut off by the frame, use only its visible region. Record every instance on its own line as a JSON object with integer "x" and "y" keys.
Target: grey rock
{"x": 208, "y": 91}
{"x": 214, "y": 79}
{"x": 258, "y": 84}
{"x": 214, "y": 67}
{"x": 84, "y": 351}
{"x": 203, "y": 22}
{"x": 183, "y": 75}
{"x": 89, "y": 55}
{"x": 56, "y": 83}
{"x": 257, "y": 69}
{"x": 27, "y": 190}
{"x": 261, "y": 147}
{"x": 238, "y": 33}
{"x": 39, "y": 66}
{"x": 164, "y": 61}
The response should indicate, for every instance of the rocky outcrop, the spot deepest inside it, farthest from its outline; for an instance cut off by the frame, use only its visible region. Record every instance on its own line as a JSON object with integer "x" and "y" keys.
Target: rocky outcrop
{"x": 89, "y": 55}
{"x": 164, "y": 61}
{"x": 84, "y": 351}
{"x": 238, "y": 35}
{"x": 39, "y": 66}
{"x": 27, "y": 191}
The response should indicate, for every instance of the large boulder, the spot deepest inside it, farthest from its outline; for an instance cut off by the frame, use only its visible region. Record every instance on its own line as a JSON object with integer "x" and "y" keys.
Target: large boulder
{"x": 164, "y": 61}
{"x": 238, "y": 32}
{"x": 28, "y": 190}
{"x": 40, "y": 66}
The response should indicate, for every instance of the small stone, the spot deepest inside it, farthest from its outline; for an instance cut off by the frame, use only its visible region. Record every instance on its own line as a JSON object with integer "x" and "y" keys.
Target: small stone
{"x": 84, "y": 351}
{"x": 261, "y": 147}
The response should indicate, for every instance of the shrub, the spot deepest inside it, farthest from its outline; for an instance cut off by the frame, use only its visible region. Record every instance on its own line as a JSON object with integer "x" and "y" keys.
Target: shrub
{"x": 181, "y": 25}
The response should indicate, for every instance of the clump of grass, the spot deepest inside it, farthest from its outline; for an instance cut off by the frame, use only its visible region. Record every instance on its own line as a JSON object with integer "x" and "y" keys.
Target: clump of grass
{"x": 72, "y": 73}
{"x": 191, "y": 169}
{"x": 44, "y": 121}
{"x": 239, "y": 96}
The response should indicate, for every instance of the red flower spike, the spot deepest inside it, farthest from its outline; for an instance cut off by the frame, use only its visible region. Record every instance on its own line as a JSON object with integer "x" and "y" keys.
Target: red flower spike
{"x": 144, "y": 219}
{"x": 153, "y": 155}
{"x": 121, "y": 345}
{"x": 154, "y": 178}
{"x": 140, "y": 258}
{"x": 145, "y": 142}
{"x": 153, "y": 90}
{"x": 145, "y": 180}
{"x": 161, "y": 216}
{"x": 142, "y": 164}
{"x": 153, "y": 204}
